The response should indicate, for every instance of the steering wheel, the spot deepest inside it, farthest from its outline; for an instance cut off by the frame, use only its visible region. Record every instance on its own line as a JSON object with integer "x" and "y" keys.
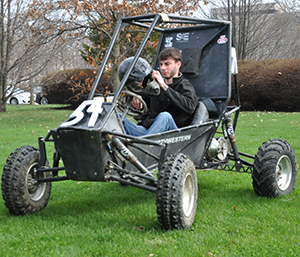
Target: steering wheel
{"x": 124, "y": 104}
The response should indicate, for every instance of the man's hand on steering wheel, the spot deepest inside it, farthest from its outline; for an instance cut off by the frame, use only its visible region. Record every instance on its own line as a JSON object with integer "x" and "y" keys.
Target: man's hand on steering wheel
{"x": 125, "y": 104}
{"x": 136, "y": 103}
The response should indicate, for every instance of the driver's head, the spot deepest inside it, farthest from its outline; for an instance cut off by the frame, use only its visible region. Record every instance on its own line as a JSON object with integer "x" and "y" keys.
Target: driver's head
{"x": 169, "y": 62}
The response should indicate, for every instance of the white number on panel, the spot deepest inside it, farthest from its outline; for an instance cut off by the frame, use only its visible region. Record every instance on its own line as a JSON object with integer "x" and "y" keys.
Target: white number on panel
{"x": 94, "y": 108}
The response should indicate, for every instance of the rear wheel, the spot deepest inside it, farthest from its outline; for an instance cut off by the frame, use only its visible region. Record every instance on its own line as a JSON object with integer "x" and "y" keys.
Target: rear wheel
{"x": 177, "y": 193}
{"x": 275, "y": 169}
{"x": 44, "y": 100}
{"x": 21, "y": 191}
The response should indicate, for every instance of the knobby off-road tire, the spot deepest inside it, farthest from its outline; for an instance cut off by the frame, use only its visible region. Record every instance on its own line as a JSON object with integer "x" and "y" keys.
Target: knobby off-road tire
{"x": 177, "y": 193}
{"x": 275, "y": 169}
{"x": 21, "y": 192}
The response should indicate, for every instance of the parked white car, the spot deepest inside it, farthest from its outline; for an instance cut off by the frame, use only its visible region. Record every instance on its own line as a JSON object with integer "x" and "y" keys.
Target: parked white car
{"x": 20, "y": 97}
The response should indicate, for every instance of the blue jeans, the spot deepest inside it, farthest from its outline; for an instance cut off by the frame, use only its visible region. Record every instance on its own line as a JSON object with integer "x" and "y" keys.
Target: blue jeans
{"x": 163, "y": 122}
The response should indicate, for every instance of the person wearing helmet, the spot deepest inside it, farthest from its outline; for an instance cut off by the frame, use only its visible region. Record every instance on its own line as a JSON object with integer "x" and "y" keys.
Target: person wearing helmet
{"x": 175, "y": 104}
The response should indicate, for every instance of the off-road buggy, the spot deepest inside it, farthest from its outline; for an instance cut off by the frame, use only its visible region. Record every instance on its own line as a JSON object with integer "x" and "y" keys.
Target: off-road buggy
{"x": 93, "y": 145}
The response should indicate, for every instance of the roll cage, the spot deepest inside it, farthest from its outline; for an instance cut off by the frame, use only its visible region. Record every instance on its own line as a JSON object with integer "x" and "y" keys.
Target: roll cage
{"x": 207, "y": 61}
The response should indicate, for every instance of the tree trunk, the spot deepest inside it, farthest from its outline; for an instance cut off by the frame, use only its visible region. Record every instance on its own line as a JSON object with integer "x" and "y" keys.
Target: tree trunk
{"x": 2, "y": 105}
{"x": 2, "y": 92}
{"x": 31, "y": 90}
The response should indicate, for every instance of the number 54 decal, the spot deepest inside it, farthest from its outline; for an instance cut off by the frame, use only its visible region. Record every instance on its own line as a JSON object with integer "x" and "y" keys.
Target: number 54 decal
{"x": 94, "y": 107}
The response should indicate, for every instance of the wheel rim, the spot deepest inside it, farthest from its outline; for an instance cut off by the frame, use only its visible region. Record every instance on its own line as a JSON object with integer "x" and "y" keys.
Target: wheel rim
{"x": 283, "y": 172}
{"x": 14, "y": 101}
{"x": 188, "y": 195}
{"x": 223, "y": 149}
{"x": 34, "y": 189}
{"x": 44, "y": 100}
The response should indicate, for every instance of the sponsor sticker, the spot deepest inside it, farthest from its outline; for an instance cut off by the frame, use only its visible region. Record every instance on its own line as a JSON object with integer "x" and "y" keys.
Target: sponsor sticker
{"x": 222, "y": 40}
{"x": 183, "y": 37}
{"x": 169, "y": 42}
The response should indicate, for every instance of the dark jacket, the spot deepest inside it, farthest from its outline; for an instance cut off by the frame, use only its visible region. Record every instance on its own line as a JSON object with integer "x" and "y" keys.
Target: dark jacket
{"x": 179, "y": 100}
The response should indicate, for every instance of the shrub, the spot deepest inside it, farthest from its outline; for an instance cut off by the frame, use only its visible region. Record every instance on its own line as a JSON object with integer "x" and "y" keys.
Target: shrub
{"x": 73, "y": 86}
{"x": 271, "y": 85}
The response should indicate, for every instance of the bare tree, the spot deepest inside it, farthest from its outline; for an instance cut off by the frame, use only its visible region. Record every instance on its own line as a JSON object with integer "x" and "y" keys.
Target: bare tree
{"x": 292, "y": 7}
{"x": 25, "y": 47}
{"x": 260, "y": 30}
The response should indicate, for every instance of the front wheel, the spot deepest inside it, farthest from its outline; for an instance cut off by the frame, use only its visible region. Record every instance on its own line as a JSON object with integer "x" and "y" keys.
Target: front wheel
{"x": 21, "y": 191}
{"x": 177, "y": 193}
{"x": 14, "y": 101}
{"x": 275, "y": 169}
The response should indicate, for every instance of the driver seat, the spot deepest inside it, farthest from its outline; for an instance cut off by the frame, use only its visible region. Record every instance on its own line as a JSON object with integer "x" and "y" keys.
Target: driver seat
{"x": 205, "y": 110}
{"x": 201, "y": 114}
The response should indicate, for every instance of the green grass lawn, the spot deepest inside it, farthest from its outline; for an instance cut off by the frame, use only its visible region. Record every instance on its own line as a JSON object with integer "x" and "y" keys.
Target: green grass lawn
{"x": 107, "y": 219}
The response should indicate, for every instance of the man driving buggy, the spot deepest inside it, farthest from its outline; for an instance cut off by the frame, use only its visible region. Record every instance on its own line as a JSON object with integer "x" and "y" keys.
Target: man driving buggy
{"x": 173, "y": 100}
